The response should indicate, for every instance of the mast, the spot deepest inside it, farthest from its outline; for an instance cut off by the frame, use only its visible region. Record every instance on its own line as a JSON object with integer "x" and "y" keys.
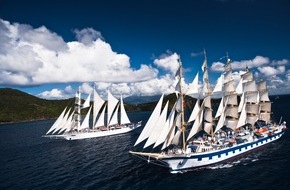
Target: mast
{"x": 182, "y": 105}
{"x": 207, "y": 99}
{"x": 77, "y": 110}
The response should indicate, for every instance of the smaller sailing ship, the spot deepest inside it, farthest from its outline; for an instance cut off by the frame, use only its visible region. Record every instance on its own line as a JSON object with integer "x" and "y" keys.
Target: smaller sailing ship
{"x": 69, "y": 126}
{"x": 203, "y": 140}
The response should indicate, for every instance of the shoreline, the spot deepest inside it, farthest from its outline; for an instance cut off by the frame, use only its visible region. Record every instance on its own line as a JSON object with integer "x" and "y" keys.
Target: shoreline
{"x": 24, "y": 121}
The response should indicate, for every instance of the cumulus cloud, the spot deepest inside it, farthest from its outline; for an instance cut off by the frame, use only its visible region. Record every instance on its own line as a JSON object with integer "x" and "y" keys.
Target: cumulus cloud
{"x": 86, "y": 88}
{"x": 88, "y": 35}
{"x": 53, "y": 94}
{"x": 168, "y": 62}
{"x": 236, "y": 65}
{"x": 33, "y": 56}
{"x": 68, "y": 89}
{"x": 269, "y": 71}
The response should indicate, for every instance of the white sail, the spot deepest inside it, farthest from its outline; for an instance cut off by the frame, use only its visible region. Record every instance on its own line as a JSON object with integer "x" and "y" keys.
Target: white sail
{"x": 85, "y": 123}
{"x": 208, "y": 115}
{"x": 177, "y": 87}
{"x": 58, "y": 120}
{"x": 222, "y": 118}
{"x": 204, "y": 65}
{"x": 220, "y": 123}
{"x": 171, "y": 134}
{"x": 114, "y": 119}
{"x": 265, "y": 117}
{"x": 178, "y": 104}
{"x": 176, "y": 137}
{"x": 151, "y": 122}
{"x": 265, "y": 106}
{"x": 124, "y": 117}
{"x": 101, "y": 121}
{"x": 220, "y": 108}
{"x": 231, "y": 123}
{"x": 232, "y": 111}
{"x": 166, "y": 129}
{"x": 62, "y": 123}
{"x": 207, "y": 102}
{"x": 219, "y": 86}
{"x": 252, "y": 97}
{"x": 196, "y": 127}
{"x": 207, "y": 127}
{"x": 157, "y": 128}
{"x": 228, "y": 76}
{"x": 241, "y": 104}
{"x": 229, "y": 86}
{"x": 195, "y": 111}
{"x": 98, "y": 103}
{"x": 239, "y": 88}
{"x": 193, "y": 87}
{"x": 252, "y": 108}
{"x": 112, "y": 103}
{"x": 264, "y": 97}
{"x": 248, "y": 76}
{"x": 69, "y": 123}
{"x": 87, "y": 102}
{"x": 232, "y": 99}
{"x": 243, "y": 117}
{"x": 206, "y": 86}
{"x": 250, "y": 86}
{"x": 251, "y": 119}
{"x": 262, "y": 86}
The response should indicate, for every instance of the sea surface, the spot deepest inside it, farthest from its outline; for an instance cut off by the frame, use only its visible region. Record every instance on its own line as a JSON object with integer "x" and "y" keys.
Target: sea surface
{"x": 28, "y": 161}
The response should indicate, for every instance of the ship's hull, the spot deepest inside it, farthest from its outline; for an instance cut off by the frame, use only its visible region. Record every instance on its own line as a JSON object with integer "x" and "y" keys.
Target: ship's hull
{"x": 178, "y": 163}
{"x": 91, "y": 134}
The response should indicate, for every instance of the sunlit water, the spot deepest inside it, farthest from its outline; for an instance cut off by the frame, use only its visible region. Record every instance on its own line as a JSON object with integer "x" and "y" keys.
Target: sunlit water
{"x": 28, "y": 161}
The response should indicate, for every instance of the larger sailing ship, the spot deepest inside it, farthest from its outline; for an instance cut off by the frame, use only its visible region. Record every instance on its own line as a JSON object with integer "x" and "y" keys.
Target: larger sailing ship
{"x": 70, "y": 126}
{"x": 203, "y": 140}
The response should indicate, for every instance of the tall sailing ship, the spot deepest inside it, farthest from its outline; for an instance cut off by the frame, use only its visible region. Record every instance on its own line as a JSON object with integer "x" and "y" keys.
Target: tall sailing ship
{"x": 203, "y": 140}
{"x": 70, "y": 126}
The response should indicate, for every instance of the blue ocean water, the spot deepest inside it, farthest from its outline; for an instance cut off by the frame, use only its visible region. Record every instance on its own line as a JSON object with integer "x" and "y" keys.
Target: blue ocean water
{"x": 28, "y": 161}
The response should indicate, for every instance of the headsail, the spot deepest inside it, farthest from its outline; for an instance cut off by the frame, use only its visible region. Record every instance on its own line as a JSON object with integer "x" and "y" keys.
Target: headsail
{"x": 57, "y": 122}
{"x": 151, "y": 122}
{"x": 153, "y": 137}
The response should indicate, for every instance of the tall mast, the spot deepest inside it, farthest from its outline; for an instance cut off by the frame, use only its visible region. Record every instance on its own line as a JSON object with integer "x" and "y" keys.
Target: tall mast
{"x": 77, "y": 114}
{"x": 207, "y": 99}
{"x": 182, "y": 106}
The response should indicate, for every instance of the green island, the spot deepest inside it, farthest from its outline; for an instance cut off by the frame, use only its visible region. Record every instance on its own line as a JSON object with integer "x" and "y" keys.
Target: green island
{"x": 18, "y": 106}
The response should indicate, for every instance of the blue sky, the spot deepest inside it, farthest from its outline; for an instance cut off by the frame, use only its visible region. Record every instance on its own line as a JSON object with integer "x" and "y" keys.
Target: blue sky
{"x": 130, "y": 47}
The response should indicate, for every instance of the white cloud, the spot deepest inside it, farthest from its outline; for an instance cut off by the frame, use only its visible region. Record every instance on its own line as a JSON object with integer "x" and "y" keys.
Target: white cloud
{"x": 87, "y": 35}
{"x": 236, "y": 65}
{"x": 217, "y": 67}
{"x": 163, "y": 84}
{"x": 31, "y": 56}
{"x": 53, "y": 94}
{"x": 68, "y": 89}
{"x": 168, "y": 62}
{"x": 280, "y": 62}
{"x": 269, "y": 71}
{"x": 86, "y": 88}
